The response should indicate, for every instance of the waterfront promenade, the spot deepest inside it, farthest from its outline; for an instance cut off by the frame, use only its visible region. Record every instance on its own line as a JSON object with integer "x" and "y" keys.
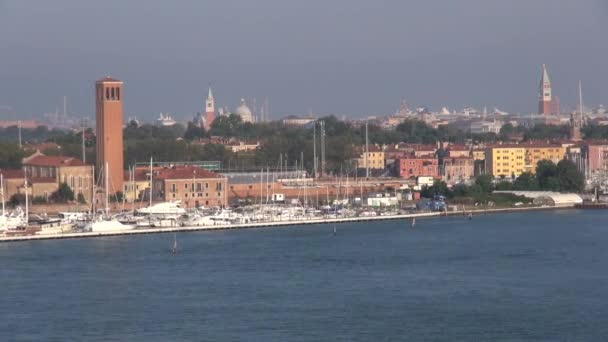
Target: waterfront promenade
{"x": 271, "y": 224}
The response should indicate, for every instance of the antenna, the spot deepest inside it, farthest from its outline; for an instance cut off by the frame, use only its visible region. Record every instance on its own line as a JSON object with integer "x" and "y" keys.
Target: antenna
{"x": 19, "y": 124}
{"x": 580, "y": 99}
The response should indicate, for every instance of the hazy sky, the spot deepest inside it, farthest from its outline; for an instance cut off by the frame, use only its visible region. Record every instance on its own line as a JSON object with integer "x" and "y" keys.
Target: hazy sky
{"x": 350, "y": 57}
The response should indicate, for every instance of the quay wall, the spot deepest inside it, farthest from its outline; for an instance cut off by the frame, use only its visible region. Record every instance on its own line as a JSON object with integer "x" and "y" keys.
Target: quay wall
{"x": 274, "y": 224}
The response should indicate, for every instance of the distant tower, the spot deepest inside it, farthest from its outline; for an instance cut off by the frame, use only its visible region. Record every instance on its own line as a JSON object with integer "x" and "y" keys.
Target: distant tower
{"x": 544, "y": 103}
{"x": 577, "y": 119}
{"x": 209, "y": 110}
{"x": 108, "y": 99}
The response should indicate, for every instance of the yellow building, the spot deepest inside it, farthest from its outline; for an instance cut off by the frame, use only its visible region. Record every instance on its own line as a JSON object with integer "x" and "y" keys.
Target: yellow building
{"x": 538, "y": 152}
{"x": 375, "y": 158}
{"x": 505, "y": 160}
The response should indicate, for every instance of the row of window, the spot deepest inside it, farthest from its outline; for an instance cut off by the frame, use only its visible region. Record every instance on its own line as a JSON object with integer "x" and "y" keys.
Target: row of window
{"x": 199, "y": 187}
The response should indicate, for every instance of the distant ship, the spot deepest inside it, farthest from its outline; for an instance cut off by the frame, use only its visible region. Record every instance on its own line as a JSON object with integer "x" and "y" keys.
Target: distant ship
{"x": 165, "y": 120}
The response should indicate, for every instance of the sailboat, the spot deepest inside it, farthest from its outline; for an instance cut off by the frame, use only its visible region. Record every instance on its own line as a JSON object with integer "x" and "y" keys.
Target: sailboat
{"x": 413, "y": 224}
{"x": 107, "y": 223}
{"x": 174, "y": 248}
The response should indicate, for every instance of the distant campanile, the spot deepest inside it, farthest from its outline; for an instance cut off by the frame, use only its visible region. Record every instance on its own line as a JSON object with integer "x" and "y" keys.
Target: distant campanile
{"x": 108, "y": 100}
{"x": 544, "y": 102}
{"x": 209, "y": 110}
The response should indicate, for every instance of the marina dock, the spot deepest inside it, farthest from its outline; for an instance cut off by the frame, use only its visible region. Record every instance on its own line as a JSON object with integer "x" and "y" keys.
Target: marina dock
{"x": 272, "y": 224}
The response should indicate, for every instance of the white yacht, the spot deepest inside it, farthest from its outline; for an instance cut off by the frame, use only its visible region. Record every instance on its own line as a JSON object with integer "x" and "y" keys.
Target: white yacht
{"x": 163, "y": 209}
{"x": 102, "y": 224}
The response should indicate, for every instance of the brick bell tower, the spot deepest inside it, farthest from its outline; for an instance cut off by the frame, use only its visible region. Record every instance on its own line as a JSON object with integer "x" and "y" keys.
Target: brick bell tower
{"x": 108, "y": 105}
{"x": 209, "y": 110}
{"x": 545, "y": 99}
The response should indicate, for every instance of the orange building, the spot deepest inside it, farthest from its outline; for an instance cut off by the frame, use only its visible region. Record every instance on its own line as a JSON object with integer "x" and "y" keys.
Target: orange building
{"x": 108, "y": 97}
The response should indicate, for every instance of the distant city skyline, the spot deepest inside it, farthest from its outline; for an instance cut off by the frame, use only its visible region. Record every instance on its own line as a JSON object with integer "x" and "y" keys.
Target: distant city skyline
{"x": 354, "y": 58}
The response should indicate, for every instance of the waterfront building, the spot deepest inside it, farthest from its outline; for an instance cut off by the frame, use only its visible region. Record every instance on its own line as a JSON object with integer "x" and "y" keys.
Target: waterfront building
{"x": 48, "y": 172}
{"x": 209, "y": 110}
{"x": 458, "y": 168}
{"x": 136, "y": 185}
{"x": 482, "y": 127}
{"x": 597, "y": 158}
{"x": 109, "y": 147}
{"x": 505, "y": 160}
{"x": 538, "y": 151}
{"x": 544, "y": 96}
{"x": 373, "y": 158}
{"x": 458, "y": 151}
{"x": 412, "y": 167}
{"x": 479, "y": 153}
{"x": 193, "y": 186}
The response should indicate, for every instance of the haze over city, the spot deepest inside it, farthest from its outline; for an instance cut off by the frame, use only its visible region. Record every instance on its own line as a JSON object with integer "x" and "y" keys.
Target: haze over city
{"x": 353, "y": 58}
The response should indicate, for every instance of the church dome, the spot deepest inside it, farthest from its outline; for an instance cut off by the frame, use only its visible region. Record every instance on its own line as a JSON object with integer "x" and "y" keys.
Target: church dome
{"x": 244, "y": 112}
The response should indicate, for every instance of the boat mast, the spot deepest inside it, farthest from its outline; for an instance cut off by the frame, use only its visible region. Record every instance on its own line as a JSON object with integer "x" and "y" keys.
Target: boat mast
{"x": 2, "y": 189}
{"x": 151, "y": 174}
{"x": 94, "y": 190}
{"x": 106, "y": 186}
{"x": 27, "y": 207}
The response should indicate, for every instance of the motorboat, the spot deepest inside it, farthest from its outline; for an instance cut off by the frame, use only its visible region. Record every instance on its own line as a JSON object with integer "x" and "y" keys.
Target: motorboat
{"x": 163, "y": 209}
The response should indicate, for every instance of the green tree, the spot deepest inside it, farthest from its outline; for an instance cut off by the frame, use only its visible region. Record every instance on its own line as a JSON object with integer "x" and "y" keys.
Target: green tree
{"x": 194, "y": 132}
{"x": 10, "y": 156}
{"x": 117, "y": 197}
{"x": 485, "y": 183}
{"x": 546, "y": 175}
{"x": 63, "y": 194}
{"x": 526, "y": 182}
{"x": 16, "y": 200}
{"x": 569, "y": 177}
{"x": 81, "y": 198}
{"x": 438, "y": 188}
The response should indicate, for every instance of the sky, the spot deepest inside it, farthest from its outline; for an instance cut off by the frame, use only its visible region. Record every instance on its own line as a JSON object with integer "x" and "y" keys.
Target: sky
{"x": 343, "y": 57}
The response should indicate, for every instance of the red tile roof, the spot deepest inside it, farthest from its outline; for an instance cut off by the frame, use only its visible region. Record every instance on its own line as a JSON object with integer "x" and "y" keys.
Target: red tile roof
{"x": 141, "y": 174}
{"x": 42, "y": 160}
{"x": 186, "y": 172}
{"x": 38, "y": 180}
{"x": 12, "y": 173}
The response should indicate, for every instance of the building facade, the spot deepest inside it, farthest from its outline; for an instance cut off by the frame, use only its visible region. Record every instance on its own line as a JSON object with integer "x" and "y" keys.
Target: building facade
{"x": 373, "y": 158}
{"x": 505, "y": 161}
{"x": 538, "y": 152}
{"x": 412, "y": 167}
{"x": 458, "y": 168}
{"x": 54, "y": 170}
{"x": 108, "y": 98}
{"x": 193, "y": 186}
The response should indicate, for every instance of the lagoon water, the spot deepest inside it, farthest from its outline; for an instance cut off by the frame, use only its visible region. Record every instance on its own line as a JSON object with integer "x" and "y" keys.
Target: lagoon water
{"x": 516, "y": 277}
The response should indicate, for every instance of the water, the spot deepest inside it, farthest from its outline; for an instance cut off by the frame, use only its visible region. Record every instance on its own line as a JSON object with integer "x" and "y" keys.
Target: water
{"x": 532, "y": 276}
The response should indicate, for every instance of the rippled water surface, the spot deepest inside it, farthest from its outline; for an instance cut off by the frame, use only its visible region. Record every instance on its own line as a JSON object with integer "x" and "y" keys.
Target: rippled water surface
{"x": 532, "y": 276}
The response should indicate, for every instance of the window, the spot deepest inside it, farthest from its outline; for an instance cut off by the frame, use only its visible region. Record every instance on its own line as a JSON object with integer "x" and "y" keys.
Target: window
{"x": 117, "y": 94}
{"x": 207, "y": 194}
{"x": 173, "y": 188}
{"x": 186, "y": 186}
{"x": 199, "y": 187}
{"x": 206, "y": 185}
